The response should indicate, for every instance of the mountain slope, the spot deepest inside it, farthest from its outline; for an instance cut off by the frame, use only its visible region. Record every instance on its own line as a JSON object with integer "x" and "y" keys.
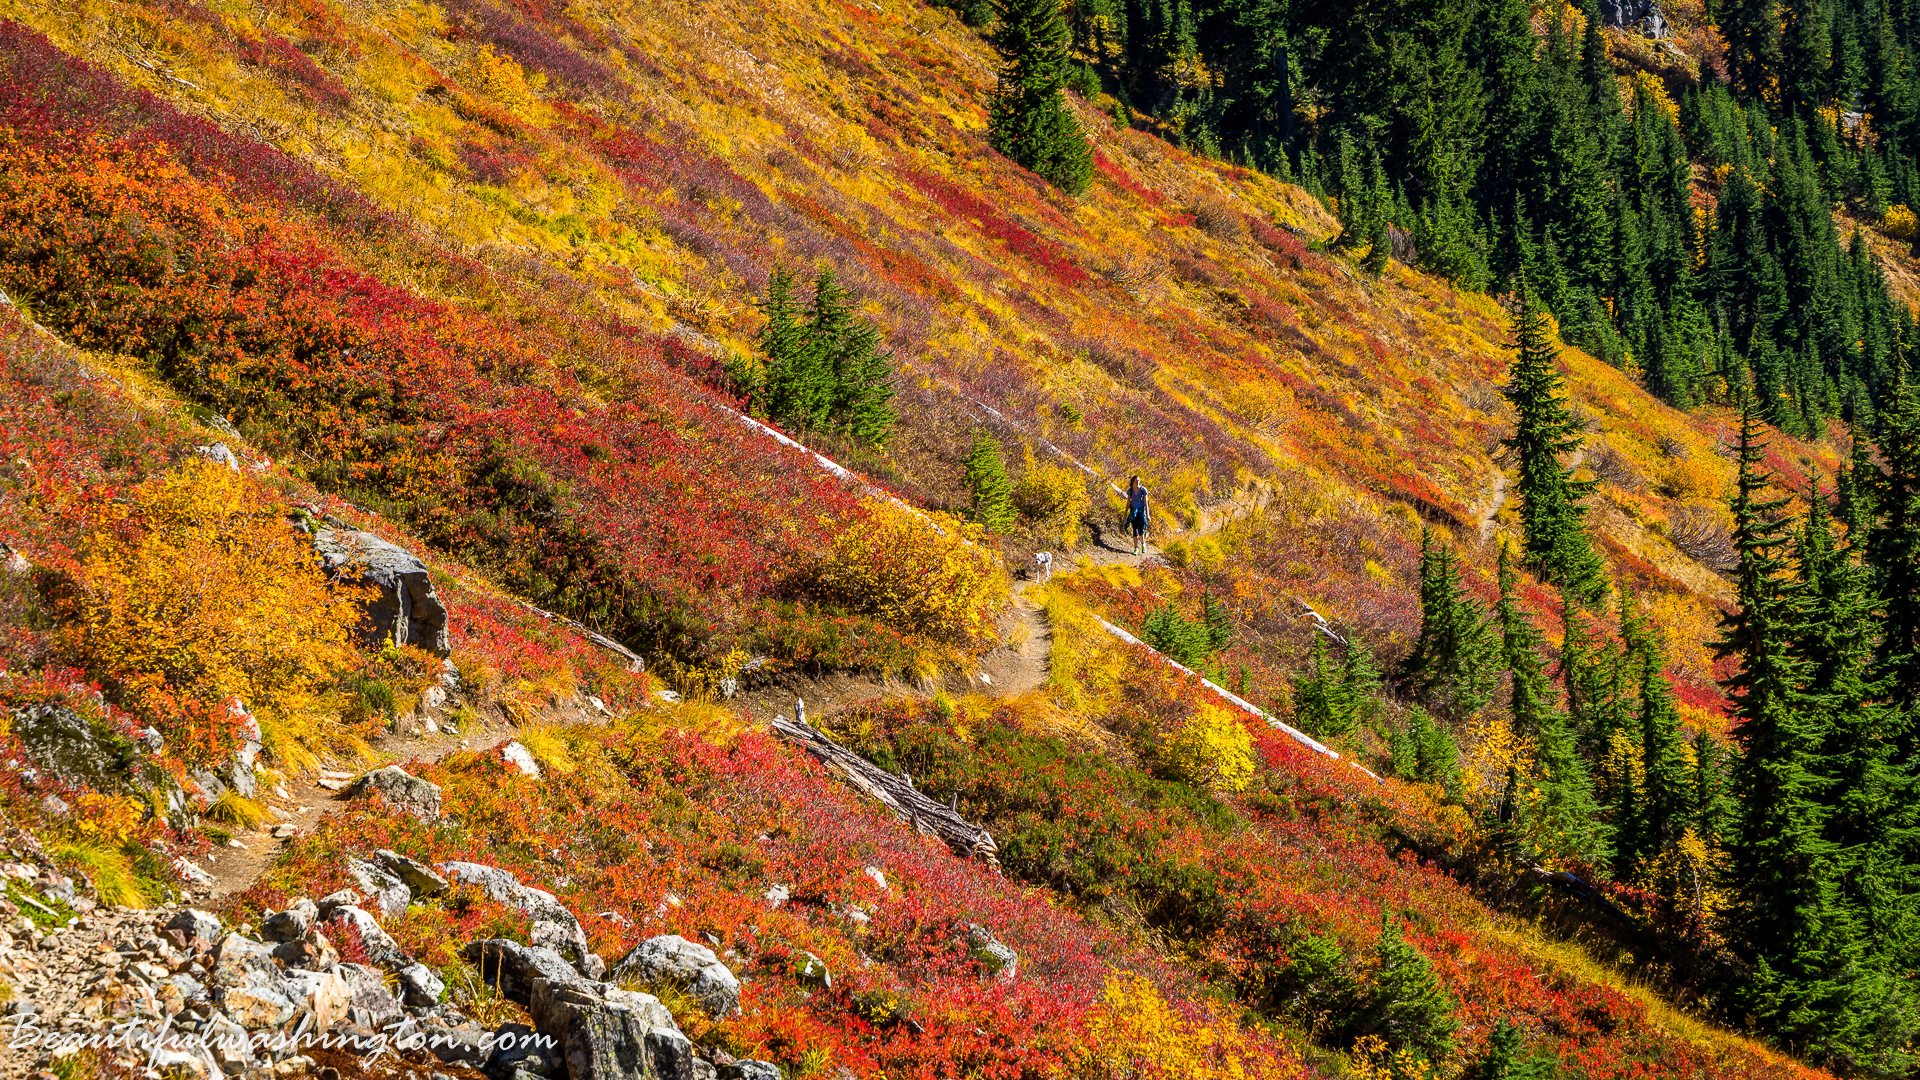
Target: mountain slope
{"x": 485, "y": 271}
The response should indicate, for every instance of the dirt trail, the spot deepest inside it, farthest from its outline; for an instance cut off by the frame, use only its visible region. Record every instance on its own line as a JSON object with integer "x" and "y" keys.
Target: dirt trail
{"x": 303, "y": 801}
{"x": 1496, "y": 498}
{"x": 1017, "y": 666}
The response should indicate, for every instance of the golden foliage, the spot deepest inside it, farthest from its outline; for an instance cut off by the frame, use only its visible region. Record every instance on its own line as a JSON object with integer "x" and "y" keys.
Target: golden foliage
{"x": 1137, "y": 1034}
{"x": 1373, "y": 1059}
{"x": 1053, "y": 497}
{"x": 104, "y": 862}
{"x": 1657, "y": 92}
{"x": 549, "y": 746}
{"x": 1213, "y": 749}
{"x": 195, "y": 591}
{"x": 1688, "y": 875}
{"x": 1900, "y": 223}
{"x": 920, "y": 574}
{"x": 236, "y": 809}
{"x": 1086, "y": 664}
{"x": 502, "y": 79}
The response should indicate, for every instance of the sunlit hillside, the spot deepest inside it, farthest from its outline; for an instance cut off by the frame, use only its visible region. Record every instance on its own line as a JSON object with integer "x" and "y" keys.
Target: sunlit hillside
{"x": 484, "y": 278}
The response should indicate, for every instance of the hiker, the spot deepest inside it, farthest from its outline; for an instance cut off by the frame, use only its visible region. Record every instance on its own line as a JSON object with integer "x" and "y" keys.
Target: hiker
{"x": 1137, "y": 514}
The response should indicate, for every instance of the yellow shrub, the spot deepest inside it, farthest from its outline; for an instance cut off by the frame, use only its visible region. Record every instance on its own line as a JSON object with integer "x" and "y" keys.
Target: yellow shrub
{"x": 1687, "y": 876}
{"x": 1657, "y": 91}
{"x": 1213, "y": 749}
{"x": 502, "y": 79}
{"x": 920, "y": 575}
{"x": 1901, "y": 223}
{"x": 1701, "y": 477}
{"x": 1136, "y": 1034}
{"x": 1053, "y": 497}
{"x": 196, "y": 590}
{"x": 1086, "y": 664}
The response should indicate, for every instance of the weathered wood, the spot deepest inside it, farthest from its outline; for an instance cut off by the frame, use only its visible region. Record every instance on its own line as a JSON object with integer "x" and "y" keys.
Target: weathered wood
{"x": 896, "y": 792}
{"x": 634, "y": 660}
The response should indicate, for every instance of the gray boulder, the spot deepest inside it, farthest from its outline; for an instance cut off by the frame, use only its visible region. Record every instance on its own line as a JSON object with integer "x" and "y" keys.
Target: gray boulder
{"x": 673, "y": 959}
{"x": 611, "y": 1034}
{"x": 749, "y": 1069}
{"x": 554, "y": 927}
{"x": 291, "y": 924}
{"x": 466, "y": 1043}
{"x": 369, "y": 1003}
{"x": 1642, "y": 15}
{"x": 515, "y": 968}
{"x": 382, "y": 949}
{"x": 219, "y": 454}
{"x": 387, "y": 892}
{"x": 810, "y": 970}
{"x": 310, "y": 950}
{"x": 995, "y": 958}
{"x": 405, "y": 609}
{"x": 402, "y": 790}
{"x": 198, "y": 930}
{"x": 419, "y": 878}
{"x": 66, "y": 744}
{"x": 420, "y": 986}
{"x": 518, "y": 1050}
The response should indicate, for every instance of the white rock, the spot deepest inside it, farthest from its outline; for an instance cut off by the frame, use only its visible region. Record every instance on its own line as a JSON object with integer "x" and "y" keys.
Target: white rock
{"x": 521, "y": 758}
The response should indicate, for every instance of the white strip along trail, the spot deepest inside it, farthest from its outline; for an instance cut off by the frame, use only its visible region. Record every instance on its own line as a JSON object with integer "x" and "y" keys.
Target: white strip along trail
{"x": 1226, "y": 695}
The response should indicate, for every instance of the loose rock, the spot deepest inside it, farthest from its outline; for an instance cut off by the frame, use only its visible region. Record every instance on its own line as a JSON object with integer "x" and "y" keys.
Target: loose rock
{"x": 670, "y": 958}
{"x": 402, "y": 790}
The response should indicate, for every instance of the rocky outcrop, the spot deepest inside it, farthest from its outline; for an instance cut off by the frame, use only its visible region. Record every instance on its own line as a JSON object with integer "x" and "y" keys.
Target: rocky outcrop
{"x": 1642, "y": 15}
{"x": 225, "y": 1003}
{"x": 404, "y": 608}
{"x": 514, "y": 969}
{"x": 402, "y": 790}
{"x": 606, "y": 1033}
{"x": 554, "y": 927}
{"x": 673, "y": 960}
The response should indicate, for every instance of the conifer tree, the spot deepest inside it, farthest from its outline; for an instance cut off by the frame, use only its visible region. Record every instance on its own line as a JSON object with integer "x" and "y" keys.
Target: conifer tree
{"x": 822, "y": 368}
{"x": 1893, "y": 547}
{"x": 1571, "y": 823}
{"x": 1452, "y": 664}
{"x": 1029, "y": 121}
{"x": 1554, "y": 522}
{"x": 989, "y": 491}
{"x": 795, "y": 385}
{"x": 1795, "y": 923}
{"x": 1330, "y": 701}
{"x": 1664, "y": 804}
{"x": 1319, "y": 705}
{"x": 1407, "y": 1005}
{"x": 850, "y": 361}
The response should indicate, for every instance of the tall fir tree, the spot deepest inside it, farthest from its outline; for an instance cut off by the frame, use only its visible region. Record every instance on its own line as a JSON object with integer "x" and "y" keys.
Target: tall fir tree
{"x": 1569, "y": 823}
{"x": 1794, "y": 922}
{"x": 1893, "y": 546}
{"x": 1557, "y": 547}
{"x": 1029, "y": 120}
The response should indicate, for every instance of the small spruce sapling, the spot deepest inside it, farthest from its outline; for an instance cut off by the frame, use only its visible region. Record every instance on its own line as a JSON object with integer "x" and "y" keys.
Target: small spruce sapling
{"x": 989, "y": 492}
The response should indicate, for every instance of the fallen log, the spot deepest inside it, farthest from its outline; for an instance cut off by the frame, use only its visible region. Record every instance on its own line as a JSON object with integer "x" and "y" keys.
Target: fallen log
{"x": 896, "y": 792}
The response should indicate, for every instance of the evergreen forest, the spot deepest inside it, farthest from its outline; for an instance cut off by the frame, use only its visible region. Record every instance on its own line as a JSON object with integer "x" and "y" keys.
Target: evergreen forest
{"x": 1496, "y": 139}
